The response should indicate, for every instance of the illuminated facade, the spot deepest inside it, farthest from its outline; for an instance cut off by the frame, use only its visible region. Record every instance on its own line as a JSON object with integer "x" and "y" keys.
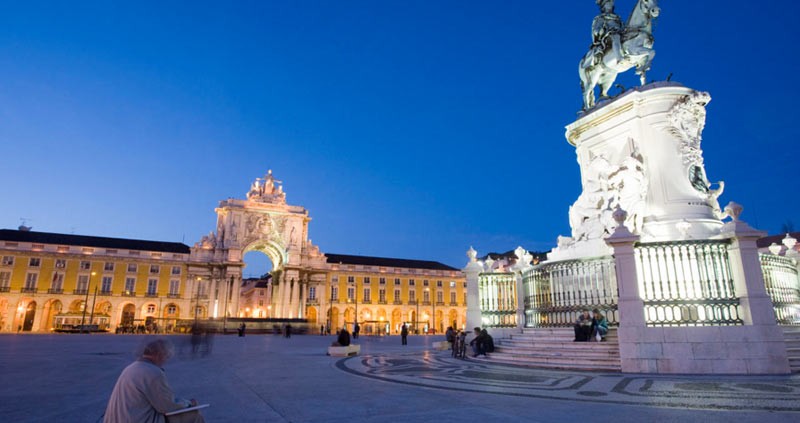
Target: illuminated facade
{"x": 46, "y": 279}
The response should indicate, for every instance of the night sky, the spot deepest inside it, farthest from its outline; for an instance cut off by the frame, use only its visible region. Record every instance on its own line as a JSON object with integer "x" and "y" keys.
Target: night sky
{"x": 408, "y": 129}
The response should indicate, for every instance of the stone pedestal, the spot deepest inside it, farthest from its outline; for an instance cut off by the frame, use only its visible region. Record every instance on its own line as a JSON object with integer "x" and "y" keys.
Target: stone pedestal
{"x": 641, "y": 152}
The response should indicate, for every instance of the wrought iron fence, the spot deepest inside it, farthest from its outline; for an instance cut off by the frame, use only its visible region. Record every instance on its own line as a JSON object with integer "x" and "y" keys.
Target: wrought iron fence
{"x": 498, "y": 299}
{"x": 783, "y": 286}
{"x": 687, "y": 283}
{"x": 555, "y": 293}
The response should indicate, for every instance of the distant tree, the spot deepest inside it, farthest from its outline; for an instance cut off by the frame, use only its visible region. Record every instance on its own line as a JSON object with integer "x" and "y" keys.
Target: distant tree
{"x": 787, "y": 227}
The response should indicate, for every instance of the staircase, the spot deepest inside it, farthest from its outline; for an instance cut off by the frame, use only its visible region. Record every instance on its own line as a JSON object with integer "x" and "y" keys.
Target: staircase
{"x": 554, "y": 349}
{"x": 791, "y": 334}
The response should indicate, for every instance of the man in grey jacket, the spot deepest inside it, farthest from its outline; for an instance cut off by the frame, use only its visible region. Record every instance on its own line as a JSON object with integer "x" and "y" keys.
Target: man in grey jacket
{"x": 142, "y": 393}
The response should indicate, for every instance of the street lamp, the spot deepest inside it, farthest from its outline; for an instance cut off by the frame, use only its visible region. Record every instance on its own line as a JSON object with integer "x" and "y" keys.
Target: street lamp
{"x": 86, "y": 301}
{"x": 416, "y": 317}
{"x": 196, "y": 298}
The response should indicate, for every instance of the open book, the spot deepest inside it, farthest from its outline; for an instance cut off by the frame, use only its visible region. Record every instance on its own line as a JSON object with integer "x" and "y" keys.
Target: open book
{"x": 184, "y": 410}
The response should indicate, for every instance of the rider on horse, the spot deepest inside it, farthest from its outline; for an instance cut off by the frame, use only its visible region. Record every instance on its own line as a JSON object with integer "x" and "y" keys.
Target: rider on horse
{"x": 607, "y": 30}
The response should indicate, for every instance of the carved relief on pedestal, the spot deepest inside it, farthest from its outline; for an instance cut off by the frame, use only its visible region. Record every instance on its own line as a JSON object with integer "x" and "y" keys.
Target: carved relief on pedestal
{"x": 687, "y": 118}
{"x": 607, "y": 187}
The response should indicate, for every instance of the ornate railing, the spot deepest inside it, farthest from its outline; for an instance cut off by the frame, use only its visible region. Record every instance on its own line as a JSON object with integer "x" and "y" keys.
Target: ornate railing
{"x": 498, "y": 299}
{"x": 555, "y": 293}
{"x": 783, "y": 286}
{"x": 687, "y": 283}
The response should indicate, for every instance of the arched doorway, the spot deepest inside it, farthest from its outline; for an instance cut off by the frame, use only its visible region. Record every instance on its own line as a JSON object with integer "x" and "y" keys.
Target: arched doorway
{"x": 349, "y": 316}
{"x": 440, "y": 323}
{"x": 51, "y": 309}
{"x": 452, "y": 318}
{"x": 311, "y": 315}
{"x": 30, "y": 314}
{"x": 3, "y": 307}
{"x": 397, "y": 320}
{"x": 334, "y": 319}
{"x": 128, "y": 315}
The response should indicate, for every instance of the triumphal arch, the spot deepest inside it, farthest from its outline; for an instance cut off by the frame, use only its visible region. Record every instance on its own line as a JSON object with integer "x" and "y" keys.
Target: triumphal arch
{"x": 262, "y": 222}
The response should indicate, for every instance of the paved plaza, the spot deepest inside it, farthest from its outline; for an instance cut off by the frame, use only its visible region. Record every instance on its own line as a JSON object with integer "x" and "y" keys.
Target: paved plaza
{"x": 263, "y": 378}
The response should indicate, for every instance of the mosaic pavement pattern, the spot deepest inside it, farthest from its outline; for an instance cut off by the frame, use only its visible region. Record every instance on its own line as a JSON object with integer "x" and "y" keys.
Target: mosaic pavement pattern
{"x": 758, "y": 393}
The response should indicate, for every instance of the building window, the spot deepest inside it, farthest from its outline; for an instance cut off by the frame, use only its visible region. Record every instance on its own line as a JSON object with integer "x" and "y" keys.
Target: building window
{"x": 85, "y": 265}
{"x": 465, "y": 298}
{"x": 174, "y": 287}
{"x": 397, "y": 281}
{"x": 382, "y": 281}
{"x": 61, "y": 263}
{"x": 426, "y": 296}
{"x": 465, "y": 284}
{"x": 439, "y": 296}
{"x": 452, "y": 297}
{"x": 335, "y": 279}
{"x": 132, "y": 267}
{"x": 176, "y": 270}
{"x": 438, "y": 284}
{"x": 312, "y": 293}
{"x": 382, "y": 295}
{"x": 30, "y": 280}
{"x": 83, "y": 283}
{"x": 152, "y": 286}
{"x": 154, "y": 269}
{"x": 366, "y": 280}
{"x": 397, "y": 295}
{"x": 34, "y": 262}
{"x": 411, "y": 282}
{"x": 351, "y": 293}
{"x": 106, "y": 284}
{"x": 334, "y": 293}
{"x": 261, "y": 303}
{"x": 130, "y": 285}
{"x": 367, "y": 295}
{"x": 351, "y": 279}
{"x": 108, "y": 266}
{"x": 151, "y": 308}
{"x": 425, "y": 282}
{"x": 5, "y": 279}
{"x": 171, "y": 309}
{"x": 452, "y": 284}
{"x": 412, "y": 295}
{"x": 8, "y": 260}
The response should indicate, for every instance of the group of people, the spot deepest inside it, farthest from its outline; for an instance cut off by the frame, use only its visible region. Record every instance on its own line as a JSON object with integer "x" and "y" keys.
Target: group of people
{"x": 590, "y": 326}
{"x": 481, "y": 344}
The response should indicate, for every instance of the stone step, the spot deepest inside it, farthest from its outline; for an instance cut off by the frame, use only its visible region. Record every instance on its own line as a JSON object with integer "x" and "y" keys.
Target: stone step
{"x": 560, "y": 345}
{"x": 552, "y": 363}
{"x": 536, "y": 352}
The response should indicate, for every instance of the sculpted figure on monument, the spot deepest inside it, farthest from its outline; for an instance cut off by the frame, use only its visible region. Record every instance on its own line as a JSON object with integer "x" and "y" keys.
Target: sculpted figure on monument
{"x": 616, "y": 48}
{"x": 629, "y": 184}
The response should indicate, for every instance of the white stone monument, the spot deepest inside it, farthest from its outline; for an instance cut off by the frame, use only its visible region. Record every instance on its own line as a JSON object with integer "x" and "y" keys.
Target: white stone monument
{"x": 641, "y": 152}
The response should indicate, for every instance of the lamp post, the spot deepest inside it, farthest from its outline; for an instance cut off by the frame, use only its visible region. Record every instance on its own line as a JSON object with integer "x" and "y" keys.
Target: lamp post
{"x": 94, "y": 301}
{"x": 86, "y": 302}
{"x": 416, "y": 317}
{"x": 433, "y": 313}
{"x": 196, "y": 299}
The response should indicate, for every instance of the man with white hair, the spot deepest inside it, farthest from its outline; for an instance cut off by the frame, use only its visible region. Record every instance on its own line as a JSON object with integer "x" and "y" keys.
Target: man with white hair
{"x": 142, "y": 393}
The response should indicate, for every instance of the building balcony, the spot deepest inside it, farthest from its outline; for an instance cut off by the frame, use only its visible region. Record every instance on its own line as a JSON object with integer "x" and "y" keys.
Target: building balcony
{"x": 202, "y": 296}
{"x": 128, "y": 293}
{"x": 312, "y": 301}
{"x": 366, "y": 302}
{"x": 173, "y": 295}
{"x": 440, "y": 303}
{"x": 426, "y": 303}
{"x": 397, "y": 302}
{"x": 412, "y": 302}
{"x": 453, "y": 304}
{"x": 79, "y": 291}
{"x": 382, "y": 302}
{"x": 29, "y": 290}
{"x": 5, "y": 288}
{"x": 105, "y": 293}
{"x": 55, "y": 291}
{"x": 151, "y": 294}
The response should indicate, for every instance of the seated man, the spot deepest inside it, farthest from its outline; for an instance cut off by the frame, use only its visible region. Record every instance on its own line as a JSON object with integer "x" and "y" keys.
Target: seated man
{"x": 599, "y": 324}
{"x": 142, "y": 393}
{"x": 478, "y": 343}
{"x": 583, "y": 326}
{"x": 343, "y": 339}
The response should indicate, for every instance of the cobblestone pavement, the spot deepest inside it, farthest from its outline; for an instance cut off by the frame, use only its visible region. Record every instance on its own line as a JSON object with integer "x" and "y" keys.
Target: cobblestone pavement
{"x": 438, "y": 370}
{"x": 68, "y": 378}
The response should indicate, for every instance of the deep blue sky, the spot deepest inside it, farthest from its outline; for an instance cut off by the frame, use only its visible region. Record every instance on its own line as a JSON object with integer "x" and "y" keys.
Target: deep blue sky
{"x": 408, "y": 129}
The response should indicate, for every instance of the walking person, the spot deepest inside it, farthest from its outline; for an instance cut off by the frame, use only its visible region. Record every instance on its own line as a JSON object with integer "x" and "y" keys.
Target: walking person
{"x": 288, "y": 330}
{"x": 356, "y": 330}
{"x": 404, "y": 334}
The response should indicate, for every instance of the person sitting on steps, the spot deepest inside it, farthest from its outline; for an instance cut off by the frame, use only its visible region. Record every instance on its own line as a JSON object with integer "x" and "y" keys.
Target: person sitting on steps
{"x": 583, "y": 326}
{"x": 599, "y": 325}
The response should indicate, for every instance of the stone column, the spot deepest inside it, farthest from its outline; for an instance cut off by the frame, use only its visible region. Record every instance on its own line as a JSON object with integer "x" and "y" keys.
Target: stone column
{"x": 630, "y": 304}
{"x": 748, "y": 279}
{"x": 277, "y": 296}
{"x": 471, "y": 272}
{"x": 301, "y": 303}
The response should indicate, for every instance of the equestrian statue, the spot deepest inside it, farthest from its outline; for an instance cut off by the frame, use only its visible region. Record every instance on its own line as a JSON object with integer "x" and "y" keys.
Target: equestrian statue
{"x": 617, "y": 47}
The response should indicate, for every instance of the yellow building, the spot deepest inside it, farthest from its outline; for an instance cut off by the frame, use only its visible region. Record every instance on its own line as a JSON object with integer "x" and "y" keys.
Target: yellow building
{"x": 46, "y": 279}
{"x": 386, "y": 292}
